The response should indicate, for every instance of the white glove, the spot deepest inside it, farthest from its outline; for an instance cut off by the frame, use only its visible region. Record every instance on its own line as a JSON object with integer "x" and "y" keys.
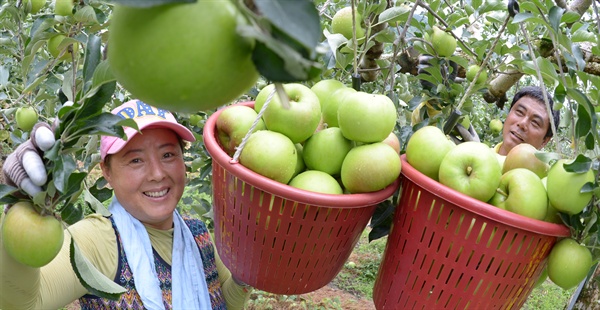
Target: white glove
{"x": 24, "y": 168}
{"x": 461, "y": 134}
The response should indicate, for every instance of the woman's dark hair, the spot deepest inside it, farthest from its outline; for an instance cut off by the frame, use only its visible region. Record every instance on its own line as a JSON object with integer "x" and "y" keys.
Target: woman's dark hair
{"x": 535, "y": 92}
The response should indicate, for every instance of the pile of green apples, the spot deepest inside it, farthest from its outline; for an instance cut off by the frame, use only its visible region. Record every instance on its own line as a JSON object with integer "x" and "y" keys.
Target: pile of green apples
{"x": 519, "y": 182}
{"x": 329, "y": 138}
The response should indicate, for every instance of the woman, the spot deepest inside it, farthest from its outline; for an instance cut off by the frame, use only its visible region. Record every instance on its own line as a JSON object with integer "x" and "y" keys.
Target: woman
{"x": 163, "y": 260}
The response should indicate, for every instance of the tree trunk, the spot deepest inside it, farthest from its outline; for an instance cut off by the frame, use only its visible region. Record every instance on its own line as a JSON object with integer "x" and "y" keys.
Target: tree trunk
{"x": 589, "y": 296}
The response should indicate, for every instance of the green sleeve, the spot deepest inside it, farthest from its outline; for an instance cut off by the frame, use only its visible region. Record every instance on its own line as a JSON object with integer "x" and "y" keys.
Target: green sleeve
{"x": 56, "y": 285}
{"x": 235, "y": 295}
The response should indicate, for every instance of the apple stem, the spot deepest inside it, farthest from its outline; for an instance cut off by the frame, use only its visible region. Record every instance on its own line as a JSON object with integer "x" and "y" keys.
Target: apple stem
{"x": 469, "y": 170}
{"x": 285, "y": 99}
{"x": 501, "y": 192}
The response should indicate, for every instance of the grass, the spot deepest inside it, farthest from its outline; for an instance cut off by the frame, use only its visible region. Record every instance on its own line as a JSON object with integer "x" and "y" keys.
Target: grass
{"x": 548, "y": 296}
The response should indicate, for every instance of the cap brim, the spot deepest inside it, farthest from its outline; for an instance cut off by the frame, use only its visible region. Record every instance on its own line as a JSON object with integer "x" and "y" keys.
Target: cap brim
{"x": 180, "y": 130}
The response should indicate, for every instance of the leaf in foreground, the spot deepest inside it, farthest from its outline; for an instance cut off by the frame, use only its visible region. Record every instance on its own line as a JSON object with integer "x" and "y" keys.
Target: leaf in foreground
{"x": 94, "y": 281}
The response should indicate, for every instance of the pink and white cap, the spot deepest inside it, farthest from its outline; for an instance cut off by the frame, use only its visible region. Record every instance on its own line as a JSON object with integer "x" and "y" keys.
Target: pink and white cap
{"x": 146, "y": 116}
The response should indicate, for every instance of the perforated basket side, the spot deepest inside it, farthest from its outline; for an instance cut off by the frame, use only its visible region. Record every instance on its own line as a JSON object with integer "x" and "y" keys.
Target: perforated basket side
{"x": 279, "y": 245}
{"x": 442, "y": 255}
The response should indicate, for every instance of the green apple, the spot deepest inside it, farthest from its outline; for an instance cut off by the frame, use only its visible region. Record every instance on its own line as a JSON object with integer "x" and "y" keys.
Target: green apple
{"x": 472, "y": 169}
{"x": 496, "y": 126}
{"x": 29, "y": 237}
{"x": 370, "y": 167}
{"x": 64, "y": 7}
{"x": 324, "y": 88}
{"x": 552, "y": 216}
{"x": 330, "y": 105}
{"x": 325, "y": 150}
{"x": 568, "y": 263}
{"x": 165, "y": 57}
{"x": 270, "y": 154}
{"x": 472, "y": 71}
{"x": 300, "y": 166}
{"x": 393, "y": 141}
{"x": 564, "y": 188}
{"x": 419, "y": 150}
{"x": 524, "y": 194}
{"x": 367, "y": 118}
{"x": 317, "y": 181}
{"x": 443, "y": 43}
{"x": 54, "y": 47}
{"x": 300, "y": 120}
{"x": 262, "y": 96}
{"x": 26, "y": 118}
{"x": 542, "y": 278}
{"x": 34, "y": 6}
{"x": 342, "y": 23}
{"x": 234, "y": 123}
{"x": 523, "y": 156}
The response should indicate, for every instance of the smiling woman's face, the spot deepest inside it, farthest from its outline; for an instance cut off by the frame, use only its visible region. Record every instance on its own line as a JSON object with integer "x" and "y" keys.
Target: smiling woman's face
{"x": 527, "y": 122}
{"x": 148, "y": 176}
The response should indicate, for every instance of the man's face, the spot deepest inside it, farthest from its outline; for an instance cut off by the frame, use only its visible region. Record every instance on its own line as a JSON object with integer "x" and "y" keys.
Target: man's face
{"x": 527, "y": 122}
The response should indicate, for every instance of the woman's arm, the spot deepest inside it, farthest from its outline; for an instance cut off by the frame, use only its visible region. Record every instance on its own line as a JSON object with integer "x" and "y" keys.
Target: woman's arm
{"x": 235, "y": 295}
{"x": 56, "y": 285}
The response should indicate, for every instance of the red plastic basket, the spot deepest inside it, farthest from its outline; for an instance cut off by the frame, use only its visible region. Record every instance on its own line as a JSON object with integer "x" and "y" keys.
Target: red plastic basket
{"x": 449, "y": 251}
{"x": 277, "y": 238}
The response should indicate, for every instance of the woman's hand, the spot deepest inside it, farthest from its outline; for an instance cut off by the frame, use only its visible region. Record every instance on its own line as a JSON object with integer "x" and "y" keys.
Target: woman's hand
{"x": 24, "y": 167}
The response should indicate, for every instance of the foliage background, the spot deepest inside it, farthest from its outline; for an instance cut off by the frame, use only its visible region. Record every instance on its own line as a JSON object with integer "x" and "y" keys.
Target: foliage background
{"x": 558, "y": 39}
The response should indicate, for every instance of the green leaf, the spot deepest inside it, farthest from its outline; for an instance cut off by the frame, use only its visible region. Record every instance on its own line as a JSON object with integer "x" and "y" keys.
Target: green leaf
{"x": 583, "y": 35}
{"x": 148, "y": 3}
{"x": 280, "y": 63}
{"x": 555, "y": 16}
{"x": 394, "y": 14}
{"x": 92, "y": 56}
{"x": 476, "y": 4}
{"x": 521, "y": 17}
{"x": 588, "y": 187}
{"x": 586, "y": 117}
{"x": 583, "y": 124}
{"x": 298, "y": 19}
{"x": 489, "y": 6}
{"x": 93, "y": 280}
{"x": 95, "y": 204}
{"x": 104, "y": 124}
{"x": 97, "y": 101}
{"x": 547, "y": 157}
{"x": 34, "y": 84}
{"x": 71, "y": 213}
{"x": 86, "y": 15}
{"x": 570, "y": 17}
{"x": 73, "y": 184}
{"x": 578, "y": 55}
{"x": 6, "y": 192}
{"x": 581, "y": 164}
{"x": 546, "y": 68}
{"x": 589, "y": 141}
{"x": 63, "y": 168}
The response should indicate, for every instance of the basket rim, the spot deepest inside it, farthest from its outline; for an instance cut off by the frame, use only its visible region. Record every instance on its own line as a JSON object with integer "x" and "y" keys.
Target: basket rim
{"x": 283, "y": 190}
{"x": 479, "y": 207}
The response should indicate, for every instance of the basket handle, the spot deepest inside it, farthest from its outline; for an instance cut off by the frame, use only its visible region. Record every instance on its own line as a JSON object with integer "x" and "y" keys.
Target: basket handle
{"x": 238, "y": 149}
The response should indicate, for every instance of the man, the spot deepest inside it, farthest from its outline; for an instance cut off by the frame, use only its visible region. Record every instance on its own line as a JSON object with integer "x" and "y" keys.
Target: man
{"x": 527, "y": 121}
